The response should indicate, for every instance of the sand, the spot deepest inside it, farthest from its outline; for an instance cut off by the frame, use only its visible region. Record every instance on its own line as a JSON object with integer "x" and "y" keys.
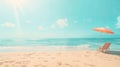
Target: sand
{"x": 59, "y": 59}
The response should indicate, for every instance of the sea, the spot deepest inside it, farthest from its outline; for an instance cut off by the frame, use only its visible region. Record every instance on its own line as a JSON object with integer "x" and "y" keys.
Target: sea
{"x": 56, "y": 44}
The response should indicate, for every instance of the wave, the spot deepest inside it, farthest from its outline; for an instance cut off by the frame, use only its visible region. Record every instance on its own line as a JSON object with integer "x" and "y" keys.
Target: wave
{"x": 43, "y": 48}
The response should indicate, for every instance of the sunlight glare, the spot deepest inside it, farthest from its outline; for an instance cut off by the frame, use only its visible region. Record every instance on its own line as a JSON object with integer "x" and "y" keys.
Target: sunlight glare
{"x": 15, "y": 2}
{"x": 17, "y": 6}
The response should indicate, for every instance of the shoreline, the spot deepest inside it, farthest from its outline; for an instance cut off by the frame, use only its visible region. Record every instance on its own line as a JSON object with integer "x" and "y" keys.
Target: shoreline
{"x": 42, "y": 48}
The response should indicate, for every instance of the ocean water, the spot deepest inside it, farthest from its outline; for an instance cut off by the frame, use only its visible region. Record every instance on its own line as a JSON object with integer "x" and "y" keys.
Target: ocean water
{"x": 57, "y": 44}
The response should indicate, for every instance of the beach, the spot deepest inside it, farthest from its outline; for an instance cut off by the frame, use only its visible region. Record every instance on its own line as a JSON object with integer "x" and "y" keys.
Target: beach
{"x": 82, "y": 58}
{"x": 59, "y": 33}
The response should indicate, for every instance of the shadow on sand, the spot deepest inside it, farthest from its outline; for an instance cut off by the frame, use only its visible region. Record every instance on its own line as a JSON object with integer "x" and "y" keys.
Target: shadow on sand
{"x": 115, "y": 52}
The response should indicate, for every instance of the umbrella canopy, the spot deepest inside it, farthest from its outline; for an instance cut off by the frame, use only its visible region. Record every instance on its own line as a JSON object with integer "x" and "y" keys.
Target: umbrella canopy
{"x": 103, "y": 30}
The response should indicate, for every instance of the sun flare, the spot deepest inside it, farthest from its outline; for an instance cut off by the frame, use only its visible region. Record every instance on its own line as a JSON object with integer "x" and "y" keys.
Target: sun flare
{"x": 17, "y": 6}
{"x": 15, "y": 2}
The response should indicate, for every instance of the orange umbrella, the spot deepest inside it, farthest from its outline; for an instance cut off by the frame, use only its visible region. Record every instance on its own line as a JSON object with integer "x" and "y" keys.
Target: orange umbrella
{"x": 103, "y": 30}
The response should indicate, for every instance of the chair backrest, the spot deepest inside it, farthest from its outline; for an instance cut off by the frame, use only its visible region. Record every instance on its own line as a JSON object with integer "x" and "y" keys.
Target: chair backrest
{"x": 106, "y": 46}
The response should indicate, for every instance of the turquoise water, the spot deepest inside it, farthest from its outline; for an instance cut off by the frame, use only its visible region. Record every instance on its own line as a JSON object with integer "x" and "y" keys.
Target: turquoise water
{"x": 57, "y": 44}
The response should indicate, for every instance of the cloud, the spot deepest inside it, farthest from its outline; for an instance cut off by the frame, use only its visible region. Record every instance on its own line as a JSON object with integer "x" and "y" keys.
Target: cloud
{"x": 9, "y": 25}
{"x": 40, "y": 28}
{"x": 62, "y": 23}
{"x": 53, "y": 26}
{"x": 118, "y": 22}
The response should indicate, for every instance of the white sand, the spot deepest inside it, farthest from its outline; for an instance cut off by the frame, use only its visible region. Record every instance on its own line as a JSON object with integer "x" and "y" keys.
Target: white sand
{"x": 59, "y": 59}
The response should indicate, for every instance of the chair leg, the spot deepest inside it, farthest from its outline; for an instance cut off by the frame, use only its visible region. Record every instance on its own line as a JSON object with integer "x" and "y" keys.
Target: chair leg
{"x": 99, "y": 49}
{"x": 108, "y": 50}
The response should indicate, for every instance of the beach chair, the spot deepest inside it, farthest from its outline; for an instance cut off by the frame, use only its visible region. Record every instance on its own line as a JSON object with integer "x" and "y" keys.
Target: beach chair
{"x": 105, "y": 48}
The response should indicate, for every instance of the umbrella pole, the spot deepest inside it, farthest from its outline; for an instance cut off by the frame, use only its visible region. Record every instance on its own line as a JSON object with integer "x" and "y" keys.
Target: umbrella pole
{"x": 99, "y": 40}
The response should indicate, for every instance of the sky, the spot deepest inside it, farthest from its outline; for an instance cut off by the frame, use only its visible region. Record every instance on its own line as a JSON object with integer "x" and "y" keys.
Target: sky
{"x": 58, "y": 18}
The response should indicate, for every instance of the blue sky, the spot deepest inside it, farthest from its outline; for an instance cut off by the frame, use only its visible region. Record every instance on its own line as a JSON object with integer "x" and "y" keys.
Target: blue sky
{"x": 58, "y": 18}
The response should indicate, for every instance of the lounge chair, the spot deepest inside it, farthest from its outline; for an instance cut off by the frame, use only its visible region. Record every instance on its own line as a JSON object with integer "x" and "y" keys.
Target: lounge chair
{"x": 105, "y": 48}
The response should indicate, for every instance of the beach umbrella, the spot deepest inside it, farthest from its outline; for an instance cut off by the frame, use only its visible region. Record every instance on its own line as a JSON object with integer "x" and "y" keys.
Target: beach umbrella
{"x": 103, "y": 30}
